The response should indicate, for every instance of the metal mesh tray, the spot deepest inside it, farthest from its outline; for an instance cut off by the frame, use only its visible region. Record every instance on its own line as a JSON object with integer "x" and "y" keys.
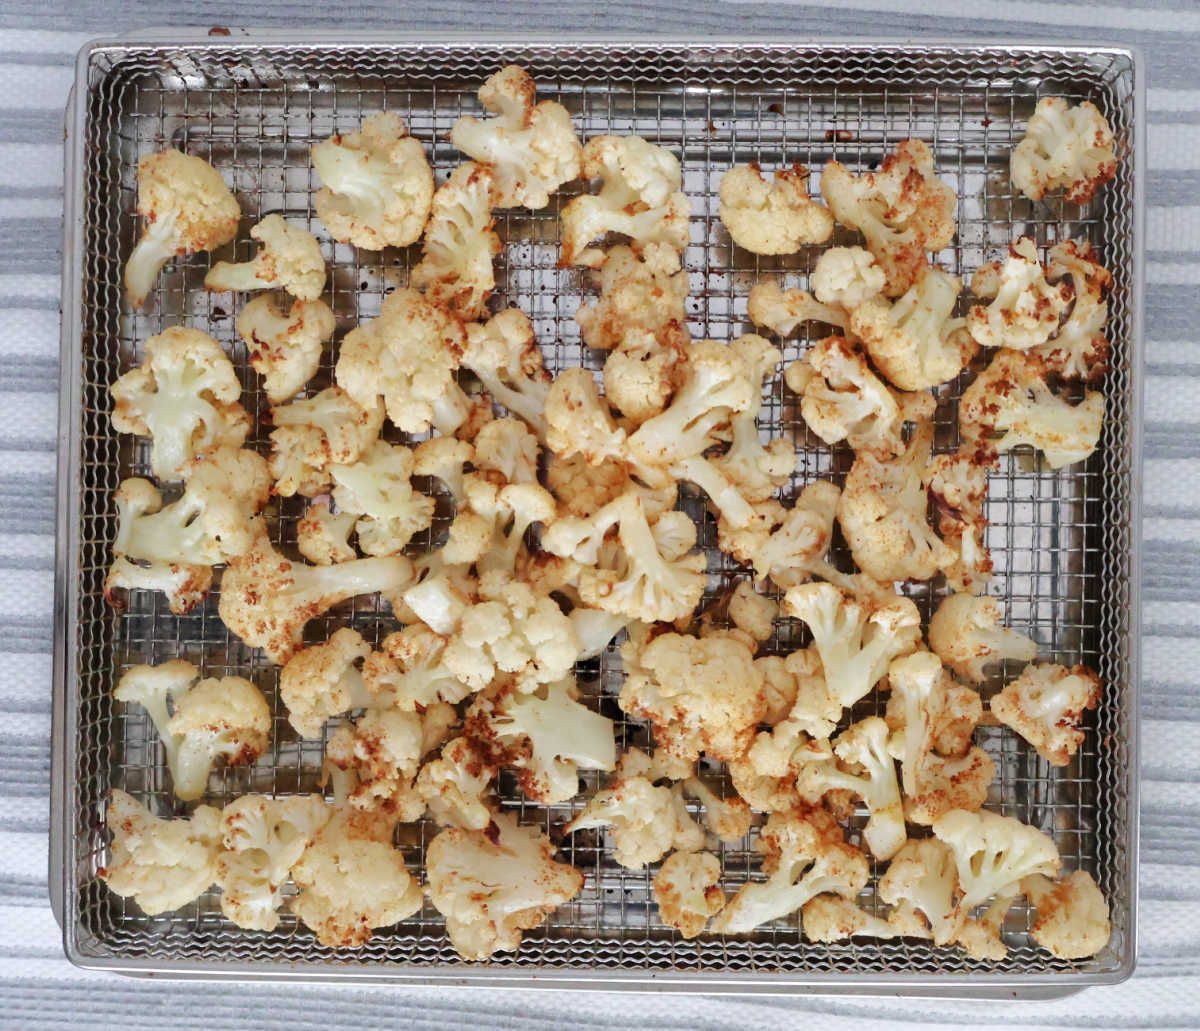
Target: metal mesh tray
{"x": 1065, "y": 543}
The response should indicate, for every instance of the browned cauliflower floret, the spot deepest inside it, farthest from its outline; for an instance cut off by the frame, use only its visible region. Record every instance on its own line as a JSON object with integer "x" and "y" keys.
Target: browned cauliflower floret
{"x": 314, "y": 434}
{"x": 285, "y": 346}
{"x": 1023, "y": 309}
{"x": 1079, "y": 349}
{"x": 323, "y": 681}
{"x": 290, "y": 259}
{"x": 323, "y": 536}
{"x": 967, "y": 634}
{"x": 454, "y": 786}
{"x": 1072, "y": 914}
{"x": 1045, "y": 705}
{"x": 688, "y": 891}
{"x": 772, "y": 308}
{"x": 378, "y": 487}
{"x": 777, "y": 218}
{"x": 505, "y": 356}
{"x": 1064, "y": 146}
{"x": 957, "y": 485}
{"x": 646, "y": 292}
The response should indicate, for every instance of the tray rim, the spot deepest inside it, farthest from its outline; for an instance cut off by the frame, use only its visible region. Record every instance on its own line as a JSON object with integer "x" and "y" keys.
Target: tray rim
{"x": 64, "y": 682}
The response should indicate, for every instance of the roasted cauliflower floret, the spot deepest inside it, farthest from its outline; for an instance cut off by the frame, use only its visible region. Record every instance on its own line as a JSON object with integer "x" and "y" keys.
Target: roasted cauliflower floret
{"x": 967, "y": 634}
{"x": 688, "y": 891}
{"x": 531, "y": 148}
{"x": 640, "y": 197}
{"x": 919, "y": 884}
{"x": 646, "y": 292}
{"x": 780, "y": 311}
{"x": 772, "y": 218}
{"x": 160, "y": 864}
{"x": 187, "y": 208}
{"x": 1023, "y": 309}
{"x": 831, "y": 918}
{"x": 323, "y": 681}
{"x": 289, "y": 259}
{"x": 578, "y": 420}
{"x": 455, "y": 784}
{"x": 314, "y": 434}
{"x": 184, "y": 397}
{"x": 1064, "y": 147}
{"x": 902, "y": 209}
{"x": 957, "y": 485}
{"x": 505, "y": 356}
{"x": 378, "y": 488}
{"x": 1045, "y": 705}
{"x": 285, "y": 345}
{"x": 1079, "y": 349}
{"x": 846, "y": 277}
{"x": 323, "y": 536}
{"x": 410, "y": 673}
{"x": 378, "y": 184}
{"x": 492, "y": 885}
{"x": 1072, "y": 914}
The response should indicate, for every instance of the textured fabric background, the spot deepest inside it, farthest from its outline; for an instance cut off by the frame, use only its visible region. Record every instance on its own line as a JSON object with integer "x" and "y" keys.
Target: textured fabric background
{"x": 39, "y": 989}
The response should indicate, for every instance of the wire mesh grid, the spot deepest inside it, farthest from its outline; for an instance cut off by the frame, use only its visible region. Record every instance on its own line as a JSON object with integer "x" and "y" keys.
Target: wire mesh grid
{"x": 1061, "y": 540}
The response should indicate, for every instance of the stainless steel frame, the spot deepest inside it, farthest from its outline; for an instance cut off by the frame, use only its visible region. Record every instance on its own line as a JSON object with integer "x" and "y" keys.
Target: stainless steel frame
{"x": 1067, "y": 544}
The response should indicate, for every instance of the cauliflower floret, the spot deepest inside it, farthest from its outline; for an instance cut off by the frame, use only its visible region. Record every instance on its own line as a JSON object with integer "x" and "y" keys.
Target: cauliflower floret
{"x": 323, "y": 537}
{"x": 781, "y": 311}
{"x": 804, "y": 855}
{"x": 967, "y": 634}
{"x": 547, "y": 735}
{"x": 453, "y": 786}
{"x": 160, "y": 864}
{"x": 492, "y": 885}
{"x": 1024, "y": 309}
{"x": 700, "y": 694}
{"x": 578, "y": 420}
{"x": 263, "y": 838}
{"x": 647, "y": 820}
{"x": 187, "y": 208}
{"x": 506, "y": 448}
{"x": 531, "y": 149}
{"x": 323, "y": 681}
{"x": 316, "y": 433}
{"x": 810, "y": 710}
{"x": 582, "y": 489}
{"x": 351, "y": 883}
{"x": 1072, "y": 914}
{"x": 1011, "y": 398}
{"x": 409, "y": 671}
{"x": 1064, "y": 146}
{"x": 863, "y": 745}
{"x": 846, "y": 277}
{"x": 979, "y": 937}
{"x": 496, "y": 519}
{"x": 1079, "y": 350}
{"x": 902, "y": 209}
{"x": 198, "y": 721}
{"x": 185, "y": 586}
{"x": 914, "y": 341}
{"x": 640, "y": 197}
{"x": 289, "y": 259}
{"x": 378, "y": 184}
{"x": 455, "y": 271}
{"x": 184, "y": 397}
{"x": 443, "y": 588}
{"x": 919, "y": 885}
{"x": 445, "y": 459}
{"x": 688, "y": 891}
{"x": 992, "y": 854}
{"x": 752, "y": 612}
{"x": 267, "y": 599}
{"x": 856, "y": 638}
{"x": 407, "y": 356}
{"x": 378, "y": 487}
{"x": 505, "y": 356}
{"x": 831, "y": 918}
{"x": 882, "y": 514}
{"x": 641, "y": 374}
{"x": 957, "y": 485}
{"x": 1045, "y": 705}
{"x": 646, "y": 292}
{"x": 772, "y": 219}
{"x": 285, "y": 346}
{"x": 842, "y": 399}
{"x": 727, "y": 818}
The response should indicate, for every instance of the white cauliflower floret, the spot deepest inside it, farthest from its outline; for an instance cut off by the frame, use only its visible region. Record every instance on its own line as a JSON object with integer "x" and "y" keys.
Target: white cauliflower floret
{"x": 979, "y": 937}
{"x": 263, "y": 838}
{"x": 846, "y": 277}
{"x": 831, "y": 918}
{"x": 505, "y": 356}
{"x": 902, "y": 209}
{"x": 1079, "y": 349}
{"x": 531, "y": 149}
{"x": 1064, "y": 146}
{"x": 641, "y": 374}
{"x": 410, "y": 672}
{"x": 728, "y": 818}
{"x": 1023, "y": 310}
{"x": 578, "y": 420}
{"x": 289, "y": 259}
{"x": 407, "y": 356}
{"x": 914, "y": 340}
{"x": 967, "y": 635}
{"x": 882, "y": 512}
{"x": 1072, "y": 914}
{"x": 198, "y": 721}
{"x": 323, "y": 537}
{"x": 582, "y": 489}
{"x": 378, "y": 488}
{"x": 646, "y": 292}
{"x": 445, "y": 459}
{"x": 453, "y": 786}
{"x": 323, "y": 681}
{"x": 647, "y": 820}
{"x": 490, "y": 531}
{"x": 700, "y": 694}
{"x": 546, "y": 735}
{"x": 378, "y": 184}
{"x": 455, "y": 271}
{"x": 799, "y": 705}
{"x": 443, "y": 588}
{"x": 507, "y": 449}
{"x": 781, "y": 311}
{"x": 919, "y": 885}
{"x": 640, "y": 197}
{"x": 856, "y": 638}
{"x": 777, "y": 218}
{"x": 351, "y": 883}
{"x": 267, "y": 599}
{"x": 752, "y": 612}
{"x": 160, "y": 864}
{"x": 187, "y": 208}
{"x": 842, "y": 399}
{"x": 804, "y": 855}
{"x": 957, "y": 485}
{"x": 184, "y": 397}
{"x": 992, "y": 854}
{"x": 863, "y": 745}
{"x": 492, "y": 885}
{"x": 1045, "y": 705}
{"x": 285, "y": 345}
{"x": 316, "y": 433}
{"x": 1011, "y": 399}
{"x": 185, "y": 586}
{"x": 688, "y": 891}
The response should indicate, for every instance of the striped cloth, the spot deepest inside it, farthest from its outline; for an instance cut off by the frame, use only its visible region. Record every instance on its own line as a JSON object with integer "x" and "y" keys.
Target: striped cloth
{"x": 39, "y": 989}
